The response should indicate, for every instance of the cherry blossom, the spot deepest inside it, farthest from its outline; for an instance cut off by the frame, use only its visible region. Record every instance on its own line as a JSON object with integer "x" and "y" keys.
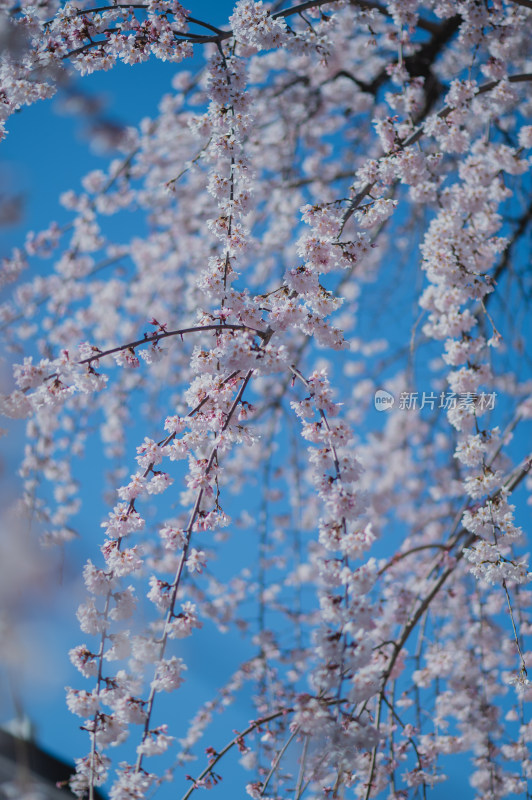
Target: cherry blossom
{"x": 307, "y": 377}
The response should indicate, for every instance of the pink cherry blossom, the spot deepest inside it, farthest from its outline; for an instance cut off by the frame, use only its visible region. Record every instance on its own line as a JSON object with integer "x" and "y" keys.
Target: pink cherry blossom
{"x": 299, "y": 380}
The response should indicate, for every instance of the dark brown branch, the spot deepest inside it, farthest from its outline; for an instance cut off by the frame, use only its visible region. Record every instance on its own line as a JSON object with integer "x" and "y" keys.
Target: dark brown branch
{"x": 239, "y": 736}
{"x": 287, "y": 12}
{"x": 399, "y": 556}
{"x": 418, "y": 134}
{"x": 486, "y": 87}
{"x": 522, "y": 225}
{"x": 510, "y": 484}
{"x": 425, "y": 25}
{"x": 205, "y": 25}
{"x": 156, "y": 337}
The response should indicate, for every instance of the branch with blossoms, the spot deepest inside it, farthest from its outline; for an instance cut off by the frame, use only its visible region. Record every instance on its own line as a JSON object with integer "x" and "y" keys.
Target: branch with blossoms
{"x": 462, "y": 540}
{"x": 395, "y": 146}
{"x": 256, "y": 790}
{"x": 124, "y": 520}
{"x": 155, "y": 338}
